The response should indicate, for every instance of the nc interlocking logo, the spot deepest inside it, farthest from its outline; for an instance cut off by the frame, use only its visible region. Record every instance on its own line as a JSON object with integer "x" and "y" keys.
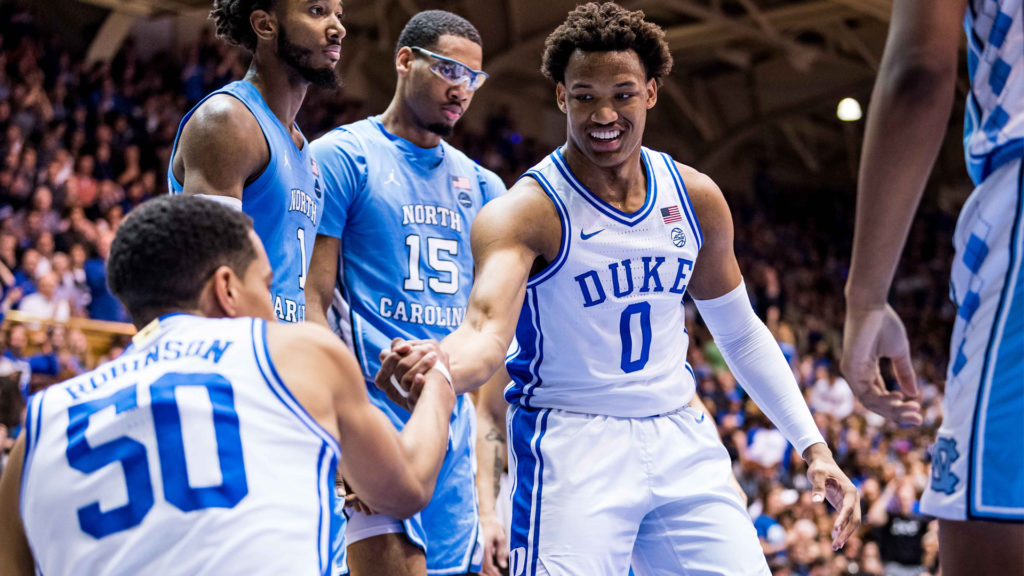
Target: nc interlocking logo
{"x": 944, "y": 453}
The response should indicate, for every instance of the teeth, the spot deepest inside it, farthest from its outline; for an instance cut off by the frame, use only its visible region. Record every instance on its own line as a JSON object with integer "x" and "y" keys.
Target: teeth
{"x": 606, "y": 134}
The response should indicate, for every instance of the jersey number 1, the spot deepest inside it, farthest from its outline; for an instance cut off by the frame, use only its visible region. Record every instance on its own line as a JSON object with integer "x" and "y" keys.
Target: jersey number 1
{"x": 134, "y": 460}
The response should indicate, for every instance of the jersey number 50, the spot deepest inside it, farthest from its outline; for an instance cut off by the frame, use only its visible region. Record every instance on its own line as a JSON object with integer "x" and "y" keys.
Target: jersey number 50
{"x": 171, "y": 451}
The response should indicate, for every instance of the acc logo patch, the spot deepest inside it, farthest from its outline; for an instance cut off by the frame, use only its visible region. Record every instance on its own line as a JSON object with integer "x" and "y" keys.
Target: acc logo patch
{"x": 678, "y": 237}
{"x": 465, "y": 200}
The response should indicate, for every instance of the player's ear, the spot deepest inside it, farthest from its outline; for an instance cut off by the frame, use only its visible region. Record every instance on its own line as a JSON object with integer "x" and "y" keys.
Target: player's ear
{"x": 264, "y": 24}
{"x": 221, "y": 293}
{"x": 652, "y": 93}
{"x": 560, "y": 97}
{"x": 403, "y": 60}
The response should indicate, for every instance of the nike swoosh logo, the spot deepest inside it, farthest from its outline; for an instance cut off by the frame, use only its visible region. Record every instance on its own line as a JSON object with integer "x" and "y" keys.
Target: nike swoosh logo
{"x": 585, "y": 236}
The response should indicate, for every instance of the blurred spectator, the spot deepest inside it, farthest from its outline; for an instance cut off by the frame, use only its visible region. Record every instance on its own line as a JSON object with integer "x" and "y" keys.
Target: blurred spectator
{"x": 832, "y": 394}
{"x": 46, "y": 303}
{"x": 900, "y": 528}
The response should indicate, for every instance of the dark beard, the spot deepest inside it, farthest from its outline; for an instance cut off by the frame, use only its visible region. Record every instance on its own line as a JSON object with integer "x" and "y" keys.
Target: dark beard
{"x": 442, "y": 130}
{"x": 297, "y": 58}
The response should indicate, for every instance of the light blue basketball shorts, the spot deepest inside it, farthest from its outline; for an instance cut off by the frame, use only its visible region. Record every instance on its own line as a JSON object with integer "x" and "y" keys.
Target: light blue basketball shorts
{"x": 448, "y": 529}
{"x": 978, "y": 456}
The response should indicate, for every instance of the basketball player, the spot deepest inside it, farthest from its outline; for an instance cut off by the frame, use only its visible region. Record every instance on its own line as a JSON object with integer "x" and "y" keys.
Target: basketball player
{"x": 585, "y": 261}
{"x": 393, "y": 255}
{"x": 210, "y": 445}
{"x": 977, "y": 481}
{"x": 240, "y": 144}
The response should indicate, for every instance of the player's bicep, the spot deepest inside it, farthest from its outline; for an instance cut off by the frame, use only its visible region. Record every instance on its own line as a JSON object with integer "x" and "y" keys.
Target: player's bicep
{"x": 716, "y": 272}
{"x": 15, "y": 554}
{"x": 222, "y": 148}
{"x": 502, "y": 260}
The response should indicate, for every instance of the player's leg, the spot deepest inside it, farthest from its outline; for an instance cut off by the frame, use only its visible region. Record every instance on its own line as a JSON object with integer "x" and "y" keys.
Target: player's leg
{"x": 697, "y": 524}
{"x": 969, "y": 548}
{"x": 976, "y": 486}
{"x": 578, "y": 495}
{"x": 388, "y": 554}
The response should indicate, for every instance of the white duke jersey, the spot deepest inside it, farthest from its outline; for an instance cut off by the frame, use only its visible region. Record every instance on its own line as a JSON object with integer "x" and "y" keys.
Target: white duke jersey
{"x": 994, "y": 123}
{"x": 185, "y": 455}
{"x": 602, "y": 326}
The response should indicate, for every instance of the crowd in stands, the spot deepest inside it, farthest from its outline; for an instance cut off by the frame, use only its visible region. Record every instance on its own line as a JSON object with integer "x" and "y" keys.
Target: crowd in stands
{"x": 81, "y": 145}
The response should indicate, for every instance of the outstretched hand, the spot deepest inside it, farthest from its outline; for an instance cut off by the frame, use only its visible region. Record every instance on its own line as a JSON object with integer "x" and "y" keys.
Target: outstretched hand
{"x": 870, "y": 335}
{"x": 403, "y": 368}
{"x": 829, "y": 483}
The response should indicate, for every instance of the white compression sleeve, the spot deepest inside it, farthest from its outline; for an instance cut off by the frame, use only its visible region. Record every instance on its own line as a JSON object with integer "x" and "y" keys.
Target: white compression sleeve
{"x": 757, "y": 361}
{"x": 229, "y": 201}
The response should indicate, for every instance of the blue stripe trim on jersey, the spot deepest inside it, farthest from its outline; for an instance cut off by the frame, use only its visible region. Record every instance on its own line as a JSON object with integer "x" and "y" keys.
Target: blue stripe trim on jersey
{"x": 538, "y": 357}
{"x": 692, "y": 375}
{"x": 320, "y": 552}
{"x": 684, "y": 197}
{"x": 1000, "y": 458}
{"x": 527, "y": 427}
{"x": 278, "y": 387}
{"x": 519, "y": 366}
{"x": 563, "y": 216}
{"x": 981, "y": 167}
{"x": 605, "y": 208}
{"x": 540, "y": 487}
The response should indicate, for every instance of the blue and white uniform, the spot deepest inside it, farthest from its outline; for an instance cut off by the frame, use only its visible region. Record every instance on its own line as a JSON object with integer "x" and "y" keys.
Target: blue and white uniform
{"x": 404, "y": 214}
{"x": 608, "y": 458}
{"x": 284, "y": 202}
{"x": 185, "y": 455}
{"x": 978, "y": 457}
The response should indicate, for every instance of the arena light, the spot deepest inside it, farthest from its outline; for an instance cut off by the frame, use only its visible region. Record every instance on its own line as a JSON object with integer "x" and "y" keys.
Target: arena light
{"x": 849, "y": 110}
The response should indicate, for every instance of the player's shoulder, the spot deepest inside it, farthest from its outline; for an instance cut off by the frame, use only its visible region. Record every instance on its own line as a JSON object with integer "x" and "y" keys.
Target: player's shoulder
{"x": 702, "y": 190}
{"x": 347, "y": 138}
{"x": 305, "y": 346}
{"x": 485, "y": 176}
{"x": 223, "y": 116}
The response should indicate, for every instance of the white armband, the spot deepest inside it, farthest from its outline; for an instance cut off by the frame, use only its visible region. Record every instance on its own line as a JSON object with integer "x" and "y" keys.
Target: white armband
{"x": 756, "y": 360}
{"x": 229, "y": 201}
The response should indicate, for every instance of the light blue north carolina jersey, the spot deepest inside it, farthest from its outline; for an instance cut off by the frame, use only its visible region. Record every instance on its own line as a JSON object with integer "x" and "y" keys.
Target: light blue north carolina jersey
{"x": 403, "y": 214}
{"x": 602, "y": 327}
{"x": 186, "y": 455}
{"x": 994, "y": 123}
{"x": 284, "y": 202}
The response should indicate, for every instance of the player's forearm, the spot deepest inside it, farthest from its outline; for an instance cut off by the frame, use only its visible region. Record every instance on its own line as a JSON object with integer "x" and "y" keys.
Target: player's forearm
{"x": 490, "y": 456}
{"x": 474, "y": 355}
{"x": 424, "y": 438}
{"x": 755, "y": 358}
{"x": 909, "y": 111}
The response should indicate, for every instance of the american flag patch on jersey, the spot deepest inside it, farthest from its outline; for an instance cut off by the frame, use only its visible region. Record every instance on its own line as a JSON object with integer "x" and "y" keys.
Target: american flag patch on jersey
{"x": 671, "y": 214}
{"x": 460, "y": 183}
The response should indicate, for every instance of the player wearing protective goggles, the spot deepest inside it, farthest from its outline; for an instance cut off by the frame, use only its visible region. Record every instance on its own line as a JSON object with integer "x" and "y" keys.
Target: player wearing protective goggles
{"x": 452, "y": 71}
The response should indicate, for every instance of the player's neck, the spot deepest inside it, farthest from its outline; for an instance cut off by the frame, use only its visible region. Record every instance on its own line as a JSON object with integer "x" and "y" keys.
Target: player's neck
{"x": 622, "y": 185}
{"x": 282, "y": 88}
{"x": 398, "y": 120}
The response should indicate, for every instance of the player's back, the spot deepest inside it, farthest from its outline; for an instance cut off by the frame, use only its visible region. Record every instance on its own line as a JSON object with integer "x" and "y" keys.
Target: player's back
{"x": 994, "y": 123}
{"x": 285, "y": 201}
{"x": 186, "y": 455}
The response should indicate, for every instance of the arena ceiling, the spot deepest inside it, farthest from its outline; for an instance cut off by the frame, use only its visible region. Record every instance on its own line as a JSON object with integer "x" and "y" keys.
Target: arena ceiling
{"x": 755, "y": 81}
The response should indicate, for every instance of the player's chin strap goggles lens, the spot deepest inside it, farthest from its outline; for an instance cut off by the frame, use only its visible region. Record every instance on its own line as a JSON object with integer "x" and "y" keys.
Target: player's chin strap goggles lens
{"x": 454, "y": 72}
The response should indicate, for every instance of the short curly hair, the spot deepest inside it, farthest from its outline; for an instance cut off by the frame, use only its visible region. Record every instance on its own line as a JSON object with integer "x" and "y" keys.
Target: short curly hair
{"x": 231, "y": 17}
{"x": 167, "y": 248}
{"x": 426, "y": 28}
{"x": 606, "y": 27}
